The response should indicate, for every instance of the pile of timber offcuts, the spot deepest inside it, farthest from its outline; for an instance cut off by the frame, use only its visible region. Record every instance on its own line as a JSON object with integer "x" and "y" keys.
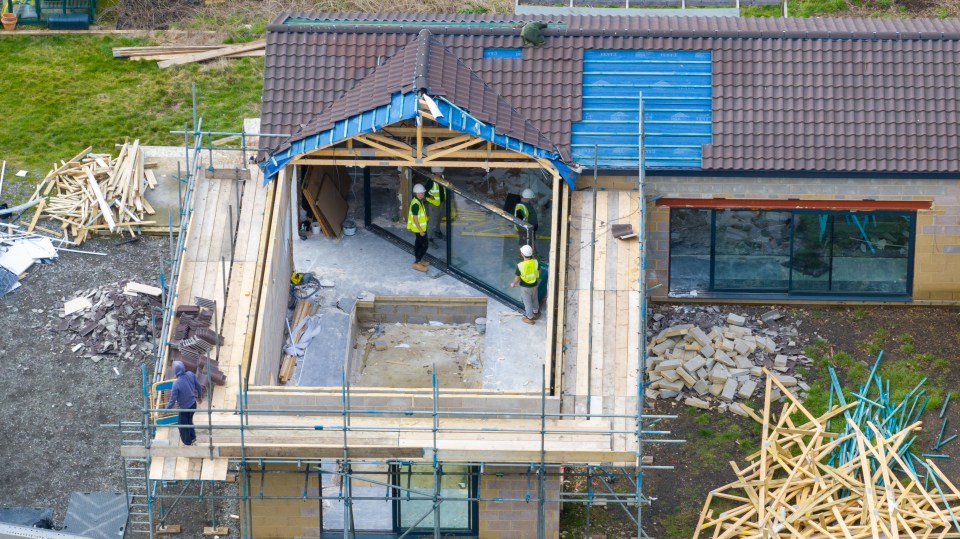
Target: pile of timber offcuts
{"x": 171, "y": 55}
{"x": 94, "y": 192}
{"x": 848, "y": 473}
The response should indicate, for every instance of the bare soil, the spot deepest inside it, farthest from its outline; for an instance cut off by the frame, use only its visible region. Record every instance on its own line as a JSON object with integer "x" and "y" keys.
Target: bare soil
{"x": 411, "y": 351}
{"x": 55, "y": 403}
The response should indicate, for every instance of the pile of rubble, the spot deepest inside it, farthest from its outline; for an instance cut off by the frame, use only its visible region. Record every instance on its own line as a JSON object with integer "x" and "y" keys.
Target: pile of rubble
{"x": 112, "y": 321}
{"x": 702, "y": 357}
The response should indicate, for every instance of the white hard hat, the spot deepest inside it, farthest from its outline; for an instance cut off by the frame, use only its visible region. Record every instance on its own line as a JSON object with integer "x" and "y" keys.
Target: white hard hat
{"x": 526, "y": 251}
{"x": 528, "y": 193}
{"x": 419, "y": 188}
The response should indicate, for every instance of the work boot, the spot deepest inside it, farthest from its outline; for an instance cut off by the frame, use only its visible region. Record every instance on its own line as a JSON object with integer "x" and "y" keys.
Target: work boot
{"x": 419, "y": 266}
{"x": 528, "y": 321}
{"x": 536, "y": 316}
{"x": 425, "y": 262}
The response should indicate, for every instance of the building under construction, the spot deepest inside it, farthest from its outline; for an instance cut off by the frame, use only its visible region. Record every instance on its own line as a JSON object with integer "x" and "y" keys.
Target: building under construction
{"x": 373, "y": 399}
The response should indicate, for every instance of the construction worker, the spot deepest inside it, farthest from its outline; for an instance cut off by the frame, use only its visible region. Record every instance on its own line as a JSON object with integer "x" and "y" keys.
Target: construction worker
{"x": 437, "y": 197}
{"x": 528, "y": 276}
{"x": 185, "y": 394}
{"x": 417, "y": 222}
{"x": 525, "y": 211}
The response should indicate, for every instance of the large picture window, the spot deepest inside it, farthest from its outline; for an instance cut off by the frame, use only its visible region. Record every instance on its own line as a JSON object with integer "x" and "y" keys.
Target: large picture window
{"x": 790, "y": 252}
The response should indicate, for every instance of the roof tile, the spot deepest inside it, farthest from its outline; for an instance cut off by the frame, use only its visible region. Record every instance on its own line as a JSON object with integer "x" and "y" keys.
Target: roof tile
{"x": 869, "y": 95}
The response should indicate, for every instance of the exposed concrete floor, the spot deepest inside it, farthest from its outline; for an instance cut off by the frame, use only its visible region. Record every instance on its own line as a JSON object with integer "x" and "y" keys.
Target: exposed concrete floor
{"x": 513, "y": 352}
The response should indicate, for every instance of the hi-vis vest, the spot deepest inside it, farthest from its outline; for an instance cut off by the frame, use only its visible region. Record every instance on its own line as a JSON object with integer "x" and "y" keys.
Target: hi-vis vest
{"x": 420, "y": 217}
{"x": 522, "y": 208}
{"x": 433, "y": 195}
{"x": 529, "y": 270}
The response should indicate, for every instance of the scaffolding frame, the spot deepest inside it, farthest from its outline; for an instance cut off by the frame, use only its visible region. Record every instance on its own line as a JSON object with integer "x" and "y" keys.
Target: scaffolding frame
{"x": 351, "y": 419}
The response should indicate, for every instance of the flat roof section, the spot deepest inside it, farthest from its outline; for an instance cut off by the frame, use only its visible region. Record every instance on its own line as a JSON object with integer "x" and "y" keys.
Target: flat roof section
{"x": 512, "y": 353}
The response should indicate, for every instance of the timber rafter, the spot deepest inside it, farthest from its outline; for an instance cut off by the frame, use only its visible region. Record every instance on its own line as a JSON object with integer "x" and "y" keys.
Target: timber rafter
{"x": 421, "y": 143}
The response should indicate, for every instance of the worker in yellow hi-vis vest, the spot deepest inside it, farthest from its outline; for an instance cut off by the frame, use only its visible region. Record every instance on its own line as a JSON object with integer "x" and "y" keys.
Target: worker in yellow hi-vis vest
{"x": 437, "y": 198}
{"x": 417, "y": 222}
{"x": 525, "y": 211}
{"x": 528, "y": 276}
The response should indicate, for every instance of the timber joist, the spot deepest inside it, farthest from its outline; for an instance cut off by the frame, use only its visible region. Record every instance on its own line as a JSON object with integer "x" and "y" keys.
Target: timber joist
{"x": 789, "y": 489}
{"x": 425, "y": 145}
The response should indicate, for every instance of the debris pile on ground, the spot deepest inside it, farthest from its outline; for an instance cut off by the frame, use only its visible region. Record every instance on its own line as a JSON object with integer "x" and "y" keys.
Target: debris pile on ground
{"x": 701, "y": 357}
{"x": 18, "y": 252}
{"x": 110, "y": 321}
{"x": 194, "y": 342}
{"x": 808, "y": 480}
{"x": 296, "y": 344}
{"x": 94, "y": 192}
{"x": 404, "y": 355}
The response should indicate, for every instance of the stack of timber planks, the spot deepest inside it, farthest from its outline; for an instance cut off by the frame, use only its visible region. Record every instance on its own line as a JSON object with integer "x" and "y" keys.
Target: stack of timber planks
{"x": 304, "y": 309}
{"x": 171, "y": 55}
{"x": 94, "y": 192}
{"x": 789, "y": 489}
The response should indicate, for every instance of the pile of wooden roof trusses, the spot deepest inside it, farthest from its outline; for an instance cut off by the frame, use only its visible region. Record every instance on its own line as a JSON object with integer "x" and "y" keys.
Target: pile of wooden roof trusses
{"x": 809, "y": 481}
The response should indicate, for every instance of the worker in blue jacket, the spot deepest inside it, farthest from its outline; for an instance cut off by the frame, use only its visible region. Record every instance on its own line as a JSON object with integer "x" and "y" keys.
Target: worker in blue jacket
{"x": 186, "y": 394}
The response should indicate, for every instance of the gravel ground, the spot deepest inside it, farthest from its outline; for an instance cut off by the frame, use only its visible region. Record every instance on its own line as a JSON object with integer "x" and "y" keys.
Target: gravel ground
{"x": 54, "y": 401}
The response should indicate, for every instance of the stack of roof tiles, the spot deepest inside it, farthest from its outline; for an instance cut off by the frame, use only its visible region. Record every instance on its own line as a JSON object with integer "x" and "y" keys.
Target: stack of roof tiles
{"x": 194, "y": 342}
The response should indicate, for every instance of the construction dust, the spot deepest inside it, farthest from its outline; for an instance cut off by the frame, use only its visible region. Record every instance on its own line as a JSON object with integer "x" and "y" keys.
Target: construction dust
{"x": 403, "y": 355}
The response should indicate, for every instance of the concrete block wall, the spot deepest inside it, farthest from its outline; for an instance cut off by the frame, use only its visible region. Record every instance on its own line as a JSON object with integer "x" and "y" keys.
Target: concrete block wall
{"x": 516, "y": 520}
{"x": 421, "y": 309}
{"x": 482, "y": 403}
{"x": 283, "y": 519}
{"x": 937, "y": 245}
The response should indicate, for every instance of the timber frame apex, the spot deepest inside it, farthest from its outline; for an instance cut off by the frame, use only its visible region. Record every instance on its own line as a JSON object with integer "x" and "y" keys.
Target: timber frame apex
{"x": 422, "y": 142}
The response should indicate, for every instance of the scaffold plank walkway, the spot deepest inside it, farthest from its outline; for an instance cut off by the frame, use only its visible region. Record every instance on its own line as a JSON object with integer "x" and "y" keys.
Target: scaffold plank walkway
{"x": 206, "y": 267}
{"x": 600, "y": 355}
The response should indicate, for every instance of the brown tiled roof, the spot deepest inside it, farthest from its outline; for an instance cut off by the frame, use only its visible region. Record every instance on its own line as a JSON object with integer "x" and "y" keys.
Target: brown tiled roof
{"x": 868, "y": 95}
{"x": 424, "y": 64}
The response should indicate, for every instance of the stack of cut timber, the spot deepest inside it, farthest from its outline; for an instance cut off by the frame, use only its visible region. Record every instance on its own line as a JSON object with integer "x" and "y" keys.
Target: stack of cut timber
{"x": 789, "y": 489}
{"x": 304, "y": 309}
{"x": 170, "y": 55}
{"x": 93, "y": 192}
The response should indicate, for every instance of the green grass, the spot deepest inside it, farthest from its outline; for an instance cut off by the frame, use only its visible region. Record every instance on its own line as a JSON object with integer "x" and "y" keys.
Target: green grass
{"x": 797, "y": 8}
{"x": 64, "y": 93}
{"x": 859, "y": 313}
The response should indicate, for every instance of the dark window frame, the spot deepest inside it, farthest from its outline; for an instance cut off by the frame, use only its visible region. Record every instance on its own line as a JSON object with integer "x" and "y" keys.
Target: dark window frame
{"x": 473, "y": 518}
{"x": 789, "y": 292}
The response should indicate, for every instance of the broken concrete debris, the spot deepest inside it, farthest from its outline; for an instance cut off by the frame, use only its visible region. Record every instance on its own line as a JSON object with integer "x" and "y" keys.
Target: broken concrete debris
{"x": 703, "y": 358}
{"x": 109, "y": 323}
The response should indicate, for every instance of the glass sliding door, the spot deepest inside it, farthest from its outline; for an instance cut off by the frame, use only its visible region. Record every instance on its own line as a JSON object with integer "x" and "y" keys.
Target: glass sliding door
{"x": 690, "y": 241}
{"x": 871, "y": 253}
{"x": 752, "y": 250}
{"x": 810, "y": 263}
{"x": 799, "y": 252}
